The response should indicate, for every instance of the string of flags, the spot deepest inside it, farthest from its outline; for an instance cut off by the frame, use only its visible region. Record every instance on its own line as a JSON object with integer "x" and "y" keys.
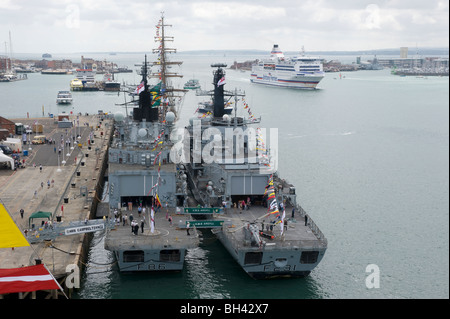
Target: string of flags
{"x": 272, "y": 204}
{"x": 261, "y": 146}
{"x": 251, "y": 117}
{"x": 205, "y": 115}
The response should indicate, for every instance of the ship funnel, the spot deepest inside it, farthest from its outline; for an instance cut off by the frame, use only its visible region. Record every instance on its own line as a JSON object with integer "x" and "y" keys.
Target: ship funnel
{"x": 145, "y": 110}
{"x": 276, "y": 52}
{"x": 219, "y": 83}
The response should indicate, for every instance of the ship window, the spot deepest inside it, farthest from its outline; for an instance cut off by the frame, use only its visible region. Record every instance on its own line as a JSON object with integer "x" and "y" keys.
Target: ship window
{"x": 169, "y": 255}
{"x": 309, "y": 257}
{"x": 253, "y": 258}
{"x": 133, "y": 256}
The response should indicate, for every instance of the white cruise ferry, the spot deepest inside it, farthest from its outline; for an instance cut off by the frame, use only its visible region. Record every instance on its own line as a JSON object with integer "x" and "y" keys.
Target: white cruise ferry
{"x": 303, "y": 72}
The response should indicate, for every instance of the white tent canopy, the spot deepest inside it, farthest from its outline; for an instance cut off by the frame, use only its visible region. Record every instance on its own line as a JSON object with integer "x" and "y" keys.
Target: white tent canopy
{"x": 4, "y": 158}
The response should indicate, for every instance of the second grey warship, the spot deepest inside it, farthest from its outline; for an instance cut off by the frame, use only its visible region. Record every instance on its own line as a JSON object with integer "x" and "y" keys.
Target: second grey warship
{"x": 229, "y": 166}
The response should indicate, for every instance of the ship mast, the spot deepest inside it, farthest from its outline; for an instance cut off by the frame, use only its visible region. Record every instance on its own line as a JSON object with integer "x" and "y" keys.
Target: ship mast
{"x": 162, "y": 73}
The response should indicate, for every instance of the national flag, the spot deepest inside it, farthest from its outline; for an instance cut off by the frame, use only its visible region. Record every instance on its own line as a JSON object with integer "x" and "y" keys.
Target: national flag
{"x": 26, "y": 279}
{"x": 273, "y": 204}
{"x": 221, "y": 81}
{"x": 282, "y": 221}
{"x": 158, "y": 202}
{"x": 152, "y": 221}
{"x": 139, "y": 88}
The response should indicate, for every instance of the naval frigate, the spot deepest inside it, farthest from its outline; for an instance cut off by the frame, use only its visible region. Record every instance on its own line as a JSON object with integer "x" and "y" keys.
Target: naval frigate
{"x": 229, "y": 165}
{"x": 145, "y": 186}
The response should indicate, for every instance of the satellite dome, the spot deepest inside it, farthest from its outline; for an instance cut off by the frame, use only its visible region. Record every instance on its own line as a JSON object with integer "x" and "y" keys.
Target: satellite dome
{"x": 118, "y": 116}
{"x": 170, "y": 117}
{"x": 142, "y": 132}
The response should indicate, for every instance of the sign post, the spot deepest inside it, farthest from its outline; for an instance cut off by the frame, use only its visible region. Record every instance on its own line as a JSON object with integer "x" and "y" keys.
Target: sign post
{"x": 205, "y": 223}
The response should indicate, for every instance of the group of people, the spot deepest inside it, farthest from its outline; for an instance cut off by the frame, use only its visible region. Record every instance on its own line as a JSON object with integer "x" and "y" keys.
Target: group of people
{"x": 119, "y": 218}
{"x": 135, "y": 227}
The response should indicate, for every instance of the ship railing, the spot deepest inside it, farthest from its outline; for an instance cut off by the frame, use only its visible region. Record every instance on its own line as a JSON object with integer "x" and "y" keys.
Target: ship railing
{"x": 276, "y": 244}
{"x": 312, "y": 225}
{"x": 143, "y": 242}
{"x": 298, "y": 209}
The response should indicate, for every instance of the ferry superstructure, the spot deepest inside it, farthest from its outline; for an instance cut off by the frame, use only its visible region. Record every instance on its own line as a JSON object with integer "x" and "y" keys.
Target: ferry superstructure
{"x": 302, "y": 72}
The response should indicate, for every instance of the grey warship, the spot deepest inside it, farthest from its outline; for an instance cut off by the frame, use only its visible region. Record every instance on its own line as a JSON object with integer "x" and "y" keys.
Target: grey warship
{"x": 145, "y": 186}
{"x": 228, "y": 165}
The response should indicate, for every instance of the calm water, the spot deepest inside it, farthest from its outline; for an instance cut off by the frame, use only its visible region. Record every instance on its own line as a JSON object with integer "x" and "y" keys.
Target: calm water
{"x": 368, "y": 155}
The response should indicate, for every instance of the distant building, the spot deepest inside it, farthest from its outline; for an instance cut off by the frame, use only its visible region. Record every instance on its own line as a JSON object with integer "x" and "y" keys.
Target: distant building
{"x": 403, "y": 52}
{"x": 60, "y": 64}
{"x": 5, "y": 64}
{"x": 6, "y": 124}
{"x": 87, "y": 63}
{"x": 42, "y": 64}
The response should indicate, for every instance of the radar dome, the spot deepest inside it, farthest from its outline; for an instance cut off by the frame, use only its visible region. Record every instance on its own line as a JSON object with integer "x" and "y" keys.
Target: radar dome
{"x": 170, "y": 117}
{"x": 142, "y": 132}
{"x": 118, "y": 116}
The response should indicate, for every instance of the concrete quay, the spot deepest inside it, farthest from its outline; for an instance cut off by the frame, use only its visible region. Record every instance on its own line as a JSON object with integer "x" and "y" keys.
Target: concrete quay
{"x": 73, "y": 195}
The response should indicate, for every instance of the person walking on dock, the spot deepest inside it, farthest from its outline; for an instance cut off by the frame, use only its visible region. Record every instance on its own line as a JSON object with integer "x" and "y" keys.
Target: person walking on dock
{"x": 21, "y": 213}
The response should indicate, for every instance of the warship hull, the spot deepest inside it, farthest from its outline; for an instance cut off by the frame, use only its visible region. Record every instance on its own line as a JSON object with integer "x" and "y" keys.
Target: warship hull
{"x": 150, "y": 260}
{"x": 294, "y": 255}
{"x": 273, "y": 263}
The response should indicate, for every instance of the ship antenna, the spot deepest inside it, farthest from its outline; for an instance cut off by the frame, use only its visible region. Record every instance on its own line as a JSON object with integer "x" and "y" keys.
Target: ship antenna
{"x": 235, "y": 107}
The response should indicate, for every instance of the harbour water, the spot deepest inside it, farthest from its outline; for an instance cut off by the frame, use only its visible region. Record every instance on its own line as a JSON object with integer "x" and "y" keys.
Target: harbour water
{"x": 368, "y": 153}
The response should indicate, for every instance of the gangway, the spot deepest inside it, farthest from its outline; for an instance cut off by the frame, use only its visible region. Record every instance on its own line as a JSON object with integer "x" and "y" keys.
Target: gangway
{"x": 52, "y": 231}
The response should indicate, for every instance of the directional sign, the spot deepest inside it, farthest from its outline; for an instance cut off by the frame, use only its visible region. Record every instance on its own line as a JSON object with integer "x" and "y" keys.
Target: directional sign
{"x": 203, "y": 210}
{"x": 205, "y": 223}
{"x": 84, "y": 229}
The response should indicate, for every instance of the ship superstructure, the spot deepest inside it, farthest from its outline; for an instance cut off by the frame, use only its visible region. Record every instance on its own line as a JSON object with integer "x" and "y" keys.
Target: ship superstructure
{"x": 302, "y": 72}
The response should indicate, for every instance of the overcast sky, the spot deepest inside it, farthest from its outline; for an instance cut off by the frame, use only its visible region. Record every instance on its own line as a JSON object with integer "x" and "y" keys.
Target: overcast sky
{"x": 65, "y": 26}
